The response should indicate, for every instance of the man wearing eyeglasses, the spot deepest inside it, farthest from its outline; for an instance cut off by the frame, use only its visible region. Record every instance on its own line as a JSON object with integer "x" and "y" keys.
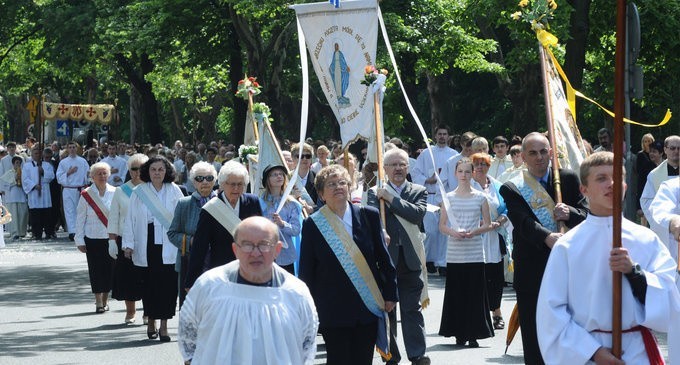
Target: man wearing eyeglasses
{"x": 665, "y": 171}
{"x": 249, "y": 311}
{"x": 218, "y": 220}
{"x": 405, "y": 206}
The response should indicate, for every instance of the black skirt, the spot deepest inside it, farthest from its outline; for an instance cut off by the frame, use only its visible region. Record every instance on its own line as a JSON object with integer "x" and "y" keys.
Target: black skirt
{"x": 99, "y": 264}
{"x": 160, "y": 282}
{"x": 465, "y": 314}
{"x": 127, "y": 278}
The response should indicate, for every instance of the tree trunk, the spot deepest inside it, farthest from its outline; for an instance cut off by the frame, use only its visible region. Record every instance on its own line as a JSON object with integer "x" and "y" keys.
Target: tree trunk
{"x": 579, "y": 28}
{"x": 236, "y": 73}
{"x": 136, "y": 115}
{"x": 439, "y": 94}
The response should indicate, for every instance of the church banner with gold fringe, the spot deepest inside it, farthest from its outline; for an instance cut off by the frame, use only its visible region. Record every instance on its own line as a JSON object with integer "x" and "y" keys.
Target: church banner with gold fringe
{"x": 101, "y": 113}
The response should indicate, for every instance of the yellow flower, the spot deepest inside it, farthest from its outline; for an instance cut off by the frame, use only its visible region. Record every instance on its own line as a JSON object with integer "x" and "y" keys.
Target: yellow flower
{"x": 523, "y": 3}
{"x": 516, "y": 15}
{"x": 552, "y": 4}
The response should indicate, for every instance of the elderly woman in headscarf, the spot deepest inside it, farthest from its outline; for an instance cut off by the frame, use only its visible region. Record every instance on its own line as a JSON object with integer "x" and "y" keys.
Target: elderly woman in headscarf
{"x": 343, "y": 252}
{"x": 91, "y": 236}
{"x": 183, "y": 227}
{"x": 289, "y": 219}
{"x": 145, "y": 240}
{"x": 127, "y": 284}
{"x": 218, "y": 220}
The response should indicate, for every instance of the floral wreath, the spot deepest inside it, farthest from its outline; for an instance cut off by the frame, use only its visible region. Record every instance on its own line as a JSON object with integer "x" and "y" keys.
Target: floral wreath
{"x": 371, "y": 74}
{"x": 248, "y": 86}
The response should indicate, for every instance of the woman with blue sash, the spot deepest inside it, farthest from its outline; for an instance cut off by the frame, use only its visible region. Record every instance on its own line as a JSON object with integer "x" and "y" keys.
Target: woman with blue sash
{"x": 127, "y": 283}
{"x": 145, "y": 240}
{"x": 494, "y": 241}
{"x": 345, "y": 263}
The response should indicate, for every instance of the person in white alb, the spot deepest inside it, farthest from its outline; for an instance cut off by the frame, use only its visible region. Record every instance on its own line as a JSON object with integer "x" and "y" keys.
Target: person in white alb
{"x": 423, "y": 174}
{"x": 249, "y": 311}
{"x": 574, "y": 313}
{"x": 92, "y": 237}
{"x": 72, "y": 176}
{"x": 15, "y": 199}
{"x": 35, "y": 180}
{"x": 501, "y": 161}
{"x": 118, "y": 166}
{"x": 666, "y": 170}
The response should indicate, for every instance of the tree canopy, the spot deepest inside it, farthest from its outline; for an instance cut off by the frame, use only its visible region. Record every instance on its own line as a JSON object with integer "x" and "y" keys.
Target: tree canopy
{"x": 172, "y": 66}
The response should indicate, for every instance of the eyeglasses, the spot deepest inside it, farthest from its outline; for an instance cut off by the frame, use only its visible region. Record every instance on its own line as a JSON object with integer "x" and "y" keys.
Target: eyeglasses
{"x": 673, "y": 148}
{"x": 248, "y": 247}
{"x": 395, "y": 165}
{"x": 208, "y": 178}
{"x": 335, "y": 184}
{"x": 307, "y": 156}
{"x": 235, "y": 185}
{"x": 134, "y": 168}
{"x": 481, "y": 164}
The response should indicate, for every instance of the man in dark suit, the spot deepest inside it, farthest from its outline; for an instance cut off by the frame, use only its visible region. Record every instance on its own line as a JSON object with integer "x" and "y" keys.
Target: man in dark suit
{"x": 211, "y": 246}
{"x": 530, "y": 198}
{"x": 405, "y": 206}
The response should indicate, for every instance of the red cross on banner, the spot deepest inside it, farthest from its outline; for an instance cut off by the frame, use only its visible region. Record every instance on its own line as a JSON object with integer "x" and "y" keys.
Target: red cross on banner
{"x": 63, "y": 110}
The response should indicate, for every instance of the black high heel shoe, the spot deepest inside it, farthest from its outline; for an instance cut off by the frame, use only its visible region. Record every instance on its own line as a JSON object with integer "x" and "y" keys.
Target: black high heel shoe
{"x": 152, "y": 335}
{"x": 164, "y": 338}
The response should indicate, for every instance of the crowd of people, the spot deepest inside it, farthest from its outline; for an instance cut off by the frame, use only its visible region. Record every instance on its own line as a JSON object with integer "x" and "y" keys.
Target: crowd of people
{"x": 251, "y": 265}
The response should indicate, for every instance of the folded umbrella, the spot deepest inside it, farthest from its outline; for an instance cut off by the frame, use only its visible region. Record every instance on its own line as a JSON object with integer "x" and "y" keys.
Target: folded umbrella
{"x": 513, "y": 326}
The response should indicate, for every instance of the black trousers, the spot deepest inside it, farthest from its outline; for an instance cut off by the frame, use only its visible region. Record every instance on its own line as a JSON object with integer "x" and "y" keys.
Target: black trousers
{"x": 40, "y": 219}
{"x": 99, "y": 264}
{"x": 526, "y": 305}
{"x": 350, "y": 345}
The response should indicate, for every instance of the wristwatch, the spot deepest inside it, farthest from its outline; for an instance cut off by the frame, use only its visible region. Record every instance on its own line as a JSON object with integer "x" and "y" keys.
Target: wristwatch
{"x": 636, "y": 271}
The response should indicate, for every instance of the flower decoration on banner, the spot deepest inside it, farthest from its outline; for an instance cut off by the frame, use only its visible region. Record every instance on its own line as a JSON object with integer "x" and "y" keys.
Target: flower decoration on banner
{"x": 371, "y": 74}
{"x": 263, "y": 110}
{"x": 248, "y": 85}
{"x": 244, "y": 151}
{"x": 535, "y": 12}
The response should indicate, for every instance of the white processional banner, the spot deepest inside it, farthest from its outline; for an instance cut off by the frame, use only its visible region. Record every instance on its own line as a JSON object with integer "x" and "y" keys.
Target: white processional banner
{"x": 570, "y": 148}
{"x": 341, "y": 42}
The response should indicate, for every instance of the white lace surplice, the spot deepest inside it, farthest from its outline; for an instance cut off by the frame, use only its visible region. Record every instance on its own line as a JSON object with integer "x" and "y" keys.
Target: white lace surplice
{"x": 223, "y": 322}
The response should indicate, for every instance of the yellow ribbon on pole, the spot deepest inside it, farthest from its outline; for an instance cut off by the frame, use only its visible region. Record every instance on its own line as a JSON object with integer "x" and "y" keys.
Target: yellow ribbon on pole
{"x": 547, "y": 39}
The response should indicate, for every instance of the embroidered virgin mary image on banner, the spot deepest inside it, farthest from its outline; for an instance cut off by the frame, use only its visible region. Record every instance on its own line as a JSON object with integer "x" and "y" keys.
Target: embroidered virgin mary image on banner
{"x": 341, "y": 42}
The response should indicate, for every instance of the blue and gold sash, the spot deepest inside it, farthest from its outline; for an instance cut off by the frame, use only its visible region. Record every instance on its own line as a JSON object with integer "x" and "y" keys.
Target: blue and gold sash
{"x": 538, "y": 199}
{"x": 154, "y": 205}
{"x": 355, "y": 266}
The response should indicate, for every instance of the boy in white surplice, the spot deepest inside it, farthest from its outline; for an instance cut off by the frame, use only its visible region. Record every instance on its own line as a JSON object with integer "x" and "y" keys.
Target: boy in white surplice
{"x": 574, "y": 313}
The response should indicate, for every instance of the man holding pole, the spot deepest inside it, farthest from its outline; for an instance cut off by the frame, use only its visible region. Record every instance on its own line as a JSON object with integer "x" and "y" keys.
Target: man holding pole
{"x": 574, "y": 306}
{"x": 535, "y": 215}
{"x": 406, "y": 204}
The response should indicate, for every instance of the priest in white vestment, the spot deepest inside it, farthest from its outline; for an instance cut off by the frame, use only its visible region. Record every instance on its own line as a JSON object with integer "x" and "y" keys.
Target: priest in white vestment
{"x": 574, "y": 313}
{"x": 249, "y": 311}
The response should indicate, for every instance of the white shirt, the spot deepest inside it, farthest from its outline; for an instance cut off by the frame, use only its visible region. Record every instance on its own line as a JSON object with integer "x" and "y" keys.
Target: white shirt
{"x": 654, "y": 180}
{"x": 575, "y": 298}
{"x": 118, "y": 210}
{"x": 224, "y": 322}
{"x": 88, "y": 223}
{"x": 664, "y": 207}
{"x": 30, "y": 178}
{"x": 499, "y": 165}
{"x": 119, "y": 164}
{"x": 5, "y": 165}
{"x": 424, "y": 169}
{"x": 76, "y": 179}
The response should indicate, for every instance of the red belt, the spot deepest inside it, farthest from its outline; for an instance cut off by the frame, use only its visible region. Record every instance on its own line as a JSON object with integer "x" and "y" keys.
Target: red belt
{"x": 649, "y": 340}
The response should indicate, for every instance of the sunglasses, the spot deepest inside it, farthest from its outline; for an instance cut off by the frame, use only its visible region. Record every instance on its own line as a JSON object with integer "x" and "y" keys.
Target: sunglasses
{"x": 307, "y": 156}
{"x": 134, "y": 168}
{"x": 208, "y": 178}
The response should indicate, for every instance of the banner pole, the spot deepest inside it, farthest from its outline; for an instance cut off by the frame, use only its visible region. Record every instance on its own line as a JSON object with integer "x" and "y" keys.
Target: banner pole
{"x": 379, "y": 153}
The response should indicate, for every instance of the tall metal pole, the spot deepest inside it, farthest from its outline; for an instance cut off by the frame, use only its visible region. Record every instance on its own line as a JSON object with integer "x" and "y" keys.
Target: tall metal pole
{"x": 619, "y": 109}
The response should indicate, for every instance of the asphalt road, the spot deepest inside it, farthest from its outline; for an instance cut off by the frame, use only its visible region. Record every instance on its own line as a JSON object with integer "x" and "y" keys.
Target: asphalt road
{"x": 47, "y": 317}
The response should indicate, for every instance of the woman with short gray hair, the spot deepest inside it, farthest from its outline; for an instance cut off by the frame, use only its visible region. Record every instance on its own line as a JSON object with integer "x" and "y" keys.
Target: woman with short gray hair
{"x": 91, "y": 233}
{"x": 218, "y": 219}
{"x": 185, "y": 220}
